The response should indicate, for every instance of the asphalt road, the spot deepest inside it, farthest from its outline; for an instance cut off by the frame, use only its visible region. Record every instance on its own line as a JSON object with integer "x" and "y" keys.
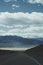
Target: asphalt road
{"x": 18, "y": 58}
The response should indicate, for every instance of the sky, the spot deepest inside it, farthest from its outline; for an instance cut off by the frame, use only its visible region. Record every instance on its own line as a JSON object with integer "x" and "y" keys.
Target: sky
{"x": 21, "y": 18}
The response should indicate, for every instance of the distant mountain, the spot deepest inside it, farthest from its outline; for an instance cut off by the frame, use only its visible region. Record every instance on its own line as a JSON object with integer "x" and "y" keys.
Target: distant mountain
{"x": 16, "y": 41}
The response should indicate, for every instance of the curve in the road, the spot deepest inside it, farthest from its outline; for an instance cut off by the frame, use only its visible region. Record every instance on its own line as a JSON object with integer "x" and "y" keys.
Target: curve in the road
{"x": 19, "y": 59}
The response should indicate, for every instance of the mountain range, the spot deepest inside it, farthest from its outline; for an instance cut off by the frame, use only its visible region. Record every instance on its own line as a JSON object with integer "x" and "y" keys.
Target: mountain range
{"x": 16, "y": 41}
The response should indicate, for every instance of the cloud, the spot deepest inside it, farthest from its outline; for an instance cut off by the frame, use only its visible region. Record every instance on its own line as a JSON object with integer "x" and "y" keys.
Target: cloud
{"x": 9, "y": 0}
{"x": 29, "y": 1}
{"x": 15, "y": 6}
{"x": 35, "y": 1}
{"x": 27, "y": 25}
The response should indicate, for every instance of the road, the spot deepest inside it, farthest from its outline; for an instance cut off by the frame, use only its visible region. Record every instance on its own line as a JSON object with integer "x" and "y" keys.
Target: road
{"x": 18, "y": 58}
